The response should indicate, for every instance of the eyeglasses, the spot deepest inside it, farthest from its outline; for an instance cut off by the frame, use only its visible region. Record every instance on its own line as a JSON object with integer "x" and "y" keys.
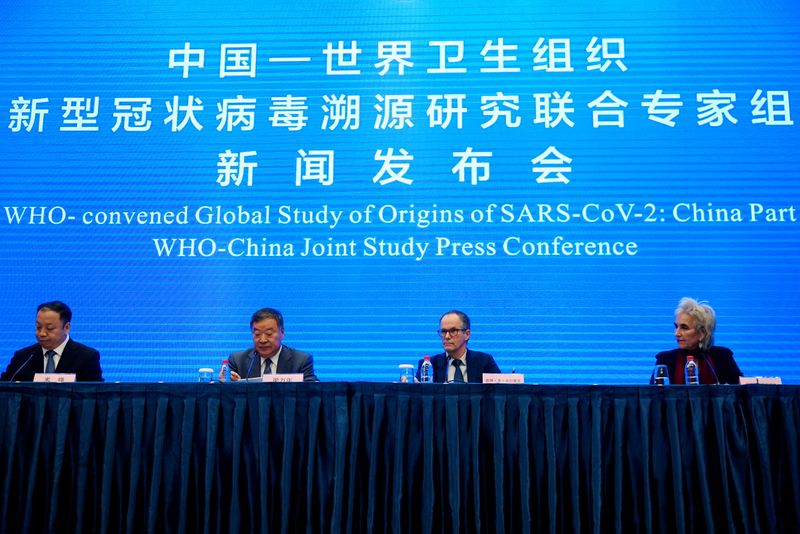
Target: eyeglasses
{"x": 453, "y": 332}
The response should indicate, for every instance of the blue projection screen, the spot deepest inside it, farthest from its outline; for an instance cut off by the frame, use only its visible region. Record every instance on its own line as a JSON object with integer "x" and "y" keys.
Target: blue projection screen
{"x": 563, "y": 172}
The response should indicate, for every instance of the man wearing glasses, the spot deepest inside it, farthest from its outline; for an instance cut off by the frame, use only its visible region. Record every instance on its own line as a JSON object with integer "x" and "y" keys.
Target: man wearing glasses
{"x": 458, "y": 364}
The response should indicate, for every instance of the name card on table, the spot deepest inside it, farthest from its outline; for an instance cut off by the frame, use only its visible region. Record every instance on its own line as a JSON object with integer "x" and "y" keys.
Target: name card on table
{"x": 289, "y": 377}
{"x": 61, "y": 378}
{"x": 503, "y": 378}
{"x": 760, "y": 380}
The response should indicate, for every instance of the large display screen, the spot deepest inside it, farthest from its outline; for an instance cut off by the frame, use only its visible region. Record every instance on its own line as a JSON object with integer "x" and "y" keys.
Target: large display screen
{"x": 563, "y": 172}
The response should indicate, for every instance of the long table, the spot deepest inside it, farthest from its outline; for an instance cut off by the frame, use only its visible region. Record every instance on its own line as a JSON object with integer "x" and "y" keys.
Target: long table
{"x": 375, "y": 457}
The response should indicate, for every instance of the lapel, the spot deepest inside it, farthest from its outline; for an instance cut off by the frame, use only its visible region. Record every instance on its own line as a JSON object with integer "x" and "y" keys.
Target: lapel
{"x": 254, "y": 365}
{"x": 440, "y": 368}
{"x": 284, "y": 360}
{"x": 473, "y": 373}
{"x": 37, "y": 362}
{"x": 63, "y": 360}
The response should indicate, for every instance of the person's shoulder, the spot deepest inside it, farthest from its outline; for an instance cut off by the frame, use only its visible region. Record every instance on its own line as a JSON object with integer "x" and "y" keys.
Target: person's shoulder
{"x": 27, "y": 351}
{"x": 434, "y": 358}
{"x": 80, "y": 347}
{"x": 483, "y": 361}
{"x": 719, "y": 351}
{"x": 478, "y": 354}
{"x": 239, "y": 354}
{"x": 664, "y": 354}
{"x": 297, "y": 353}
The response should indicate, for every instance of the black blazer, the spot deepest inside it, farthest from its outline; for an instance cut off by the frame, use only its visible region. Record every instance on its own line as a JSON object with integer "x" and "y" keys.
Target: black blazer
{"x": 477, "y": 364}
{"x": 725, "y": 367}
{"x": 77, "y": 358}
{"x": 290, "y": 361}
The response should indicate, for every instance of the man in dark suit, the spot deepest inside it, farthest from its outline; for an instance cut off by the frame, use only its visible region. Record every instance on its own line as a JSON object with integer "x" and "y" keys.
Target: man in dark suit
{"x": 269, "y": 355}
{"x": 458, "y": 363}
{"x": 55, "y": 352}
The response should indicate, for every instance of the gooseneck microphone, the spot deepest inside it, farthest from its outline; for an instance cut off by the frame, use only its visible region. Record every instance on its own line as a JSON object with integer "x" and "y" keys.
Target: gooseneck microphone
{"x": 250, "y": 367}
{"x": 711, "y": 366}
{"x": 21, "y": 366}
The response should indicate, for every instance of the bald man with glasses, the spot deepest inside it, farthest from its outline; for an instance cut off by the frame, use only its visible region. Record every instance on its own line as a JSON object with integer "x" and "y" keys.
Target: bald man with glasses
{"x": 458, "y": 364}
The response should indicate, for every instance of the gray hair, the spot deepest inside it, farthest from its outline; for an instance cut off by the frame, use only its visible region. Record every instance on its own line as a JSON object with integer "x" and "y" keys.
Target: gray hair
{"x": 267, "y": 313}
{"x": 705, "y": 319}
{"x": 461, "y": 315}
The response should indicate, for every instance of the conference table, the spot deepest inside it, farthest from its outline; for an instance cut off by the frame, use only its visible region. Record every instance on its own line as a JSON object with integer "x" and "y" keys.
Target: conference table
{"x": 381, "y": 457}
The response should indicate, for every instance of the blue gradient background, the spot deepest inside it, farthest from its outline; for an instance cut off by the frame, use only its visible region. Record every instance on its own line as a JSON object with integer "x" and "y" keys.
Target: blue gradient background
{"x": 557, "y": 319}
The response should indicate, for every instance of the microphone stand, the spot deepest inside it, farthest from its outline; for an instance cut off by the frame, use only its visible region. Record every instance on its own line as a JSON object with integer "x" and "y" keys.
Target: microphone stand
{"x": 711, "y": 366}
{"x": 250, "y": 367}
{"x": 21, "y": 366}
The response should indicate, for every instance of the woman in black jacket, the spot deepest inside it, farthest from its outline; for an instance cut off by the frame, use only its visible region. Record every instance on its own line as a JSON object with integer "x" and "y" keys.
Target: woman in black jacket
{"x": 694, "y": 331}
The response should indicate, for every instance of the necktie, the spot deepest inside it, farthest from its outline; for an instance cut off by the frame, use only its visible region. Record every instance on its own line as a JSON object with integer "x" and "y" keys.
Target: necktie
{"x": 458, "y": 376}
{"x": 51, "y": 364}
{"x": 267, "y": 367}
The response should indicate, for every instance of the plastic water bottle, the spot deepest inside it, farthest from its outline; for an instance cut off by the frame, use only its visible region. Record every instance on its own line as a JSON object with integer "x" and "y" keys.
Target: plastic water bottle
{"x": 426, "y": 371}
{"x": 690, "y": 371}
{"x": 225, "y": 372}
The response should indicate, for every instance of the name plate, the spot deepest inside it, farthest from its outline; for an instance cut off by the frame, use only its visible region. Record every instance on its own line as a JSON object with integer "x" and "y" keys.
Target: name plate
{"x": 776, "y": 380}
{"x": 503, "y": 378}
{"x": 60, "y": 378}
{"x": 289, "y": 377}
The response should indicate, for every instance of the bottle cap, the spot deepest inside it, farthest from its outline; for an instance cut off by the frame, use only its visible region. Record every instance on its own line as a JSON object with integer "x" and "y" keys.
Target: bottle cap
{"x": 427, "y": 358}
{"x": 225, "y": 362}
{"x": 690, "y": 358}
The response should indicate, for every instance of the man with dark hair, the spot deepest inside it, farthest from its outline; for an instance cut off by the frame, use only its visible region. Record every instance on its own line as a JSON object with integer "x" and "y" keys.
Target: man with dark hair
{"x": 55, "y": 352}
{"x": 269, "y": 355}
{"x": 458, "y": 363}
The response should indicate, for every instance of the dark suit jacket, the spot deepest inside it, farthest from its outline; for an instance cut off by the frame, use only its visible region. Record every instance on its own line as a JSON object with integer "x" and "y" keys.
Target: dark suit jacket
{"x": 77, "y": 358}
{"x": 477, "y": 364}
{"x": 290, "y": 361}
{"x": 723, "y": 367}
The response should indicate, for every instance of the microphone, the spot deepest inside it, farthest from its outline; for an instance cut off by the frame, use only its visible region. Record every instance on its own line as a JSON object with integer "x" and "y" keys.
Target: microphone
{"x": 711, "y": 366}
{"x": 21, "y": 366}
{"x": 252, "y": 361}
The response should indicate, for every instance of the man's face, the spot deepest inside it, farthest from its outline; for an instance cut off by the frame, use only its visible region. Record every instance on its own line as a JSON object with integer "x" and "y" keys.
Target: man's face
{"x": 454, "y": 337}
{"x": 50, "y": 331}
{"x": 267, "y": 337}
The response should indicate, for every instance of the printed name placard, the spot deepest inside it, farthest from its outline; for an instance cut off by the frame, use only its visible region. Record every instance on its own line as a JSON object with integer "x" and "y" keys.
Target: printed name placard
{"x": 503, "y": 378}
{"x": 289, "y": 377}
{"x": 775, "y": 380}
{"x": 60, "y": 378}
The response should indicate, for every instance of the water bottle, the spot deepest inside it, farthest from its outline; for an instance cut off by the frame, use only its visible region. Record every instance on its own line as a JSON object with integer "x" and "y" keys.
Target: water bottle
{"x": 690, "y": 371}
{"x": 225, "y": 372}
{"x": 426, "y": 371}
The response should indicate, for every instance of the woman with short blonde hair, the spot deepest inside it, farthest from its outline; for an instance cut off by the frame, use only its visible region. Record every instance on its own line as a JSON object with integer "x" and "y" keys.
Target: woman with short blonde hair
{"x": 695, "y": 323}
